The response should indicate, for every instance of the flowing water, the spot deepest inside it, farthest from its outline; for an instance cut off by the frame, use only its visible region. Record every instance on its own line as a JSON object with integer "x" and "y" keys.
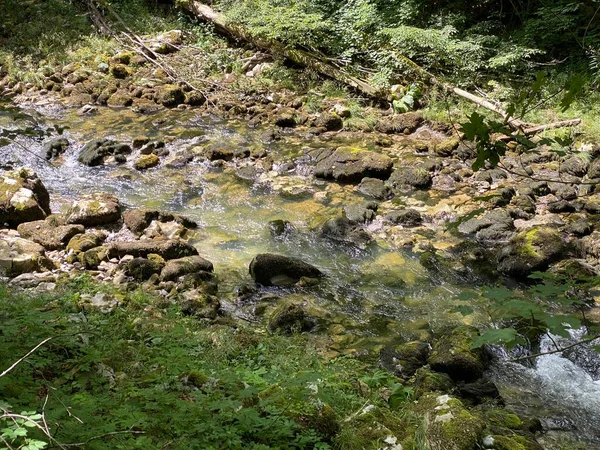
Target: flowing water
{"x": 372, "y": 297}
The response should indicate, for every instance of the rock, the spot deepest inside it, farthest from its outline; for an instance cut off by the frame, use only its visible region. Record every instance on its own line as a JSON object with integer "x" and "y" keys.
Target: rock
{"x": 195, "y": 98}
{"x": 140, "y": 141}
{"x": 404, "y": 217}
{"x": 142, "y": 269}
{"x": 361, "y": 213}
{"x": 47, "y": 234}
{"x": 120, "y": 71}
{"x": 478, "y": 391}
{"x": 95, "y": 209}
{"x": 580, "y": 227}
{"x": 83, "y": 242}
{"x": 488, "y": 219}
{"x": 280, "y": 227}
{"x": 176, "y": 268}
{"x": 95, "y": 152}
{"x": 137, "y": 220}
{"x": 576, "y": 165}
{"x": 146, "y": 162}
{"x": 286, "y": 119}
{"x": 23, "y": 197}
{"x": 373, "y": 187}
{"x": 452, "y": 354}
{"x": 574, "y": 269}
{"x": 427, "y": 381}
{"x": 531, "y": 250}
{"x": 168, "y": 249}
{"x": 167, "y": 42}
{"x": 215, "y": 152}
{"x": 329, "y": 121}
{"x": 18, "y": 255}
{"x": 270, "y": 269}
{"x": 120, "y": 99}
{"x": 411, "y": 177}
{"x": 447, "y": 147}
{"x": 200, "y": 305}
{"x": 594, "y": 170}
{"x": 165, "y": 230}
{"x": 91, "y": 258}
{"x": 290, "y": 318}
{"x": 451, "y": 426}
{"x": 351, "y": 165}
{"x": 55, "y": 147}
{"x": 405, "y": 359}
{"x": 170, "y": 95}
{"x": 401, "y": 123}
{"x": 590, "y": 245}
{"x": 342, "y": 230}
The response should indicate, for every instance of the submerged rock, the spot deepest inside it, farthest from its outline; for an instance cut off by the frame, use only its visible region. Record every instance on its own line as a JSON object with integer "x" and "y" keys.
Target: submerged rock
{"x": 137, "y": 220}
{"x": 55, "y": 147}
{"x": 351, "y": 165}
{"x": 270, "y": 269}
{"x": 48, "y": 234}
{"x": 23, "y": 197}
{"x": 94, "y": 209}
{"x": 404, "y": 217}
{"x": 341, "y": 229}
{"x": 95, "y": 152}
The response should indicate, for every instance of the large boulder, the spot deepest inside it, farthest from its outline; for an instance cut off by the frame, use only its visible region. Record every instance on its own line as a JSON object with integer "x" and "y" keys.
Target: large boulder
{"x": 23, "y": 197}
{"x": 531, "y": 250}
{"x": 18, "y": 255}
{"x": 269, "y": 269}
{"x": 182, "y": 266}
{"x": 452, "y": 354}
{"x": 95, "y": 209}
{"x": 48, "y": 234}
{"x": 351, "y": 165}
{"x": 168, "y": 249}
{"x": 95, "y": 152}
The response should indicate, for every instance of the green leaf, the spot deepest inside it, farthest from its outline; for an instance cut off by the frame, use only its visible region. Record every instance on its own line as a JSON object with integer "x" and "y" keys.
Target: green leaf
{"x": 463, "y": 309}
{"x": 507, "y": 336}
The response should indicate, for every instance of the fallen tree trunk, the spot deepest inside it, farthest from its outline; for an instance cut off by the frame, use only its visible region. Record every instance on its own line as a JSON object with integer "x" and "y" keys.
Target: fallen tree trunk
{"x": 324, "y": 67}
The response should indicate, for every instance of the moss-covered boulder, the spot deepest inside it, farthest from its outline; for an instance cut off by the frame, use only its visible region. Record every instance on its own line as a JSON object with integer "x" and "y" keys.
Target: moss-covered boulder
{"x": 200, "y": 305}
{"x": 90, "y": 259}
{"x": 176, "y": 268}
{"x": 410, "y": 177}
{"x": 452, "y": 354}
{"x": 142, "y": 269}
{"x": 270, "y": 269}
{"x": 120, "y": 71}
{"x": 170, "y": 95}
{"x": 290, "y": 318}
{"x": 351, "y": 165}
{"x": 55, "y": 147}
{"x": 451, "y": 425}
{"x": 426, "y": 381}
{"x": 94, "y": 210}
{"x": 95, "y": 152}
{"x": 83, "y": 242}
{"x": 403, "y": 360}
{"x": 23, "y": 197}
{"x": 137, "y": 220}
{"x": 167, "y": 42}
{"x": 48, "y": 234}
{"x": 532, "y": 250}
{"x": 146, "y": 162}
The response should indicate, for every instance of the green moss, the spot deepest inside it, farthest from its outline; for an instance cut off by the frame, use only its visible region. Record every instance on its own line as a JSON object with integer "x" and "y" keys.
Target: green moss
{"x": 147, "y": 162}
{"x": 507, "y": 443}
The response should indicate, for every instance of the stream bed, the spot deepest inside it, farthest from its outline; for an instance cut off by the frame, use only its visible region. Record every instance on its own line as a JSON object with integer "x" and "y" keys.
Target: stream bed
{"x": 373, "y": 296}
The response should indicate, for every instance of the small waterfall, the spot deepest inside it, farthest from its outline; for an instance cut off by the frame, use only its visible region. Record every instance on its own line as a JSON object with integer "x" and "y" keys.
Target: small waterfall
{"x": 561, "y": 389}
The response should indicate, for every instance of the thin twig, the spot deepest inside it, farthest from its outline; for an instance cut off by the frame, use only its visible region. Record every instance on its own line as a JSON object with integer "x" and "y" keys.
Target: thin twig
{"x": 558, "y": 350}
{"x": 20, "y": 360}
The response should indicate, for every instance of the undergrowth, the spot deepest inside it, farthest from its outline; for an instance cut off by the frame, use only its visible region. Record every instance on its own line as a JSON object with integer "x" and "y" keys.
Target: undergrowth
{"x": 144, "y": 376}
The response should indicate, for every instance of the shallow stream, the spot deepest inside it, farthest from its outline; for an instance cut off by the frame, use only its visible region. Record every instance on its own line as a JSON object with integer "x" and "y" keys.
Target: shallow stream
{"x": 372, "y": 297}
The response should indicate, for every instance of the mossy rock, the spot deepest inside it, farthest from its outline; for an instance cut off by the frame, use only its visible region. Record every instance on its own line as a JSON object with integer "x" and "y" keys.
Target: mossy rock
{"x": 120, "y": 99}
{"x": 83, "y": 242}
{"x": 146, "y": 162}
{"x": 452, "y": 354}
{"x": 290, "y": 318}
{"x": 451, "y": 425}
{"x": 142, "y": 269}
{"x": 200, "y": 305}
{"x": 170, "y": 95}
{"x": 532, "y": 250}
{"x": 427, "y": 380}
{"x": 405, "y": 359}
{"x": 91, "y": 259}
{"x": 120, "y": 71}
{"x": 447, "y": 147}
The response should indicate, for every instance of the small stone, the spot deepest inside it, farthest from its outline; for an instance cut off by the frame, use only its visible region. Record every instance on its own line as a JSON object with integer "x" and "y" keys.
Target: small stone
{"x": 146, "y": 162}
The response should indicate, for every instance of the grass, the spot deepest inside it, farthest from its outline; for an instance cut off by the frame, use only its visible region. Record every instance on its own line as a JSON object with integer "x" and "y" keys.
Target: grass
{"x": 159, "y": 379}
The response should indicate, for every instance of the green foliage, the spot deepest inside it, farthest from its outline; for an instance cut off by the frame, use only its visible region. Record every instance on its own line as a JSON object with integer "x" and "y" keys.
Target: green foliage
{"x": 553, "y": 305}
{"x": 145, "y": 377}
{"x": 15, "y": 429}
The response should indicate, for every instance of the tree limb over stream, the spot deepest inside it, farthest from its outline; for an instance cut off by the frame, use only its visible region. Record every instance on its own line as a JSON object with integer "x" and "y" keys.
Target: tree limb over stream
{"x": 324, "y": 67}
